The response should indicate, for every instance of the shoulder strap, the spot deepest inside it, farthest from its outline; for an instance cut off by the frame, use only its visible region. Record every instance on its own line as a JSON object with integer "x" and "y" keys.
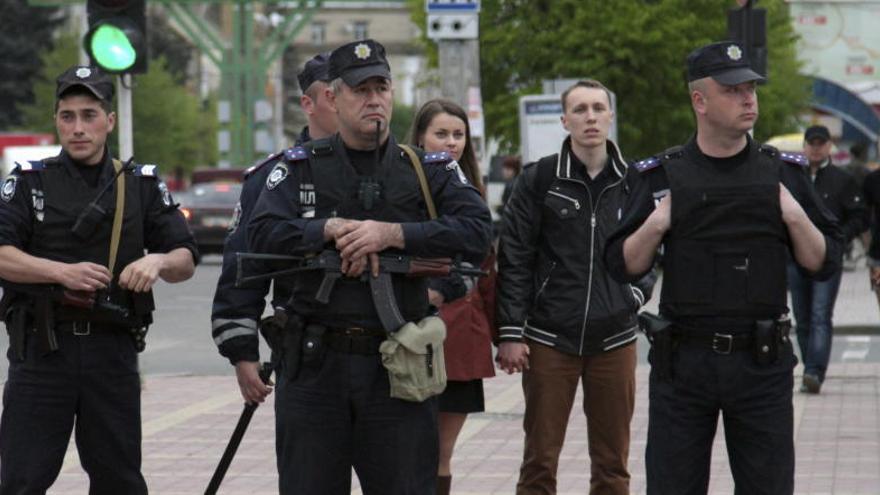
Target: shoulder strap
{"x": 117, "y": 215}
{"x": 423, "y": 181}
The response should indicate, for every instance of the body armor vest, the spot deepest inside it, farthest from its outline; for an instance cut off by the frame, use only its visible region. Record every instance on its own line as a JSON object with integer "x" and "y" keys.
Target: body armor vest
{"x": 63, "y": 194}
{"x": 338, "y": 189}
{"x": 726, "y": 251}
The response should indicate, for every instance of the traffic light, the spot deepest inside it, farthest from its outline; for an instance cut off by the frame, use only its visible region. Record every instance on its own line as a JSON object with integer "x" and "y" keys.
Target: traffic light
{"x": 117, "y": 36}
{"x": 748, "y": 25}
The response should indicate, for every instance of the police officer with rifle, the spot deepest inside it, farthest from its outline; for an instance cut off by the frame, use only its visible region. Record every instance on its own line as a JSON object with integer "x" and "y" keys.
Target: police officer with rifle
{"x": 77, "y": 297}
{"x": 362, "y": 193}
{"x": 729, "y": 212}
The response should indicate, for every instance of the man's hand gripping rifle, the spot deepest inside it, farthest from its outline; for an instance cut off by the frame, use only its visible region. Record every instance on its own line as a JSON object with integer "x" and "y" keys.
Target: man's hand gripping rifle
{"x": 330, "y": 261}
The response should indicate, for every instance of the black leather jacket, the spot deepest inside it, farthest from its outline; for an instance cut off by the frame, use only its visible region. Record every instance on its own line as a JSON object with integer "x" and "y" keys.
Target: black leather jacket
{"x": 553, "y": 287}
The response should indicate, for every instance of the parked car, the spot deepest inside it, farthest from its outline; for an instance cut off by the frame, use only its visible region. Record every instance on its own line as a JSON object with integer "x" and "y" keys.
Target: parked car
{"x": 209, "y": 208}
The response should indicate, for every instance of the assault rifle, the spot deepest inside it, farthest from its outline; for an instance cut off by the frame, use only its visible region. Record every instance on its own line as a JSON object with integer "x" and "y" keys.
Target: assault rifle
{"x": 382, "y": 290}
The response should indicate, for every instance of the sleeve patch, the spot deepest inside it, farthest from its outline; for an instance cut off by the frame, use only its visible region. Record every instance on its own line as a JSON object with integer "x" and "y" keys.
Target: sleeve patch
{"x": 7, "y": 192}
{"x": 648, "y": 164}
{"x": 794, "y": 159}
{"x": 278, "y": 174}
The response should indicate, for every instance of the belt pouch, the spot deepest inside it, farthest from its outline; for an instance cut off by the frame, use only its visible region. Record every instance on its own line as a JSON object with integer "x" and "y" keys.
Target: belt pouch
{"x": 765, "y": 342}
{"x": 313, "y": 346}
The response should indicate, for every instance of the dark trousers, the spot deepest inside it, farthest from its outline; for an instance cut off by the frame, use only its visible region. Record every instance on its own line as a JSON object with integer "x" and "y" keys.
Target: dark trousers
{"x": 812, "y": 303}
{"x": 609, "y": 385}
{"x": 756, "y": 405}
{"x": 90, "y": 385}
{"x": 341, "y": 415}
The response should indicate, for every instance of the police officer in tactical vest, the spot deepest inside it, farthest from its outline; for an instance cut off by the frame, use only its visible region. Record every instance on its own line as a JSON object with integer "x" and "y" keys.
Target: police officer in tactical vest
{"x": 77, "y": 300}
{"x": 728, "y": 212}
{"x": 358, "y": 192}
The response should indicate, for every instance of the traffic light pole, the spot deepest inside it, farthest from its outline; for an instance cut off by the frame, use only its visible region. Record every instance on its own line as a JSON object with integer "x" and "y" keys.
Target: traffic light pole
{"x": 123, "y": 116}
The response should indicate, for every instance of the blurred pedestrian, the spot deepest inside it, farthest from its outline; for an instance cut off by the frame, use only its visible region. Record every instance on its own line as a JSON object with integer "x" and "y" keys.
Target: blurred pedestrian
{"x": 441, "y": 125}
{"x": 812, "y": 301}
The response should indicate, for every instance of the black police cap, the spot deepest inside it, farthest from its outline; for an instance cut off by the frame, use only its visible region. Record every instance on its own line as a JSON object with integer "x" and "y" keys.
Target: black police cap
{"x": 316, "y": 69}
{"x": 359, "y": 61}
{"x": 725, "y": 62}
{"x": 91, "y": 78}
{"x": 817, "y": 132}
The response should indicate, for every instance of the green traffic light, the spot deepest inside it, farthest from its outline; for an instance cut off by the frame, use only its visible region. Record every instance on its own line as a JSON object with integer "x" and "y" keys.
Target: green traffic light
{"x": 112, "y": 49}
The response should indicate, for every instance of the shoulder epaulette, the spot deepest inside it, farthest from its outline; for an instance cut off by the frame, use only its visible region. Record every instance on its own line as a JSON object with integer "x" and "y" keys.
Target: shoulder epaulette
{"x": 786, "y": 156}
{"x": 145, "y": 171}
{"x": 647, "y": 164}
{"x": 259, "y": 164}
{"x": 295, "y": 154}
{"x": 31, "y": 166}
{"x": 437, "y": 157}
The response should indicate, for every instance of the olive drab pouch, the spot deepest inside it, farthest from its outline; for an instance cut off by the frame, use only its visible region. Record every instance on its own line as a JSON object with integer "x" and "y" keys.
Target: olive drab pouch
{"x": 414, "y": 359}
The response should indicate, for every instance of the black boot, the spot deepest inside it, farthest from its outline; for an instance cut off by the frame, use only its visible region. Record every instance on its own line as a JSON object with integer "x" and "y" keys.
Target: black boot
{"x": 443, "y": 484}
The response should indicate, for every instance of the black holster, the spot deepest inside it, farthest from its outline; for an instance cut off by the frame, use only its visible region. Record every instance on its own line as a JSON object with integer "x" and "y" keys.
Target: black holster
{"x": 768, "y": 339}
{"x": 44, "y": 325}
{"x": 663, "y": 343}
{"x": 284, "y": 334}
{"x": 16, "y": 326}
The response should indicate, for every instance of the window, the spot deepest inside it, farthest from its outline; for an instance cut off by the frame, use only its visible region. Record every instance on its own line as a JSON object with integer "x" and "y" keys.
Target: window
{"x": 360, "y": 30}
{"x": 319, "y": 33}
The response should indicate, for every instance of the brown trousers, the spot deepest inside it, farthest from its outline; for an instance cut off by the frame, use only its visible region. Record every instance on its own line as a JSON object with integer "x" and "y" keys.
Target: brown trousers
{"x": 549, "y": 385}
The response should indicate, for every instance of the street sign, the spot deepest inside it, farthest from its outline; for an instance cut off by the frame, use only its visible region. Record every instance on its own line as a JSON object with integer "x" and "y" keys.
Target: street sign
{"x": 451, "y": 6}
{"x": 453, "y": 26}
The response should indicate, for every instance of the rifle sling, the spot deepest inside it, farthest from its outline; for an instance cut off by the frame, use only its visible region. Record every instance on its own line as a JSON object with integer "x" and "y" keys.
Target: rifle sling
{"x": 423, "y": 181}
{"x": 117, "y": 215}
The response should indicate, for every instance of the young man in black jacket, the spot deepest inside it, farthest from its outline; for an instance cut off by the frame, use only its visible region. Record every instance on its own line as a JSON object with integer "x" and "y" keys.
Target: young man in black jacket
{"x": 813, "y": 301}
{"x": 561, "y": 317}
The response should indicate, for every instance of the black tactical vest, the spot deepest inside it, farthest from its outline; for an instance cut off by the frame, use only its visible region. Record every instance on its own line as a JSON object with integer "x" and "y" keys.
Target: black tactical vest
{"x": 726, "y": 251}
{"x": 59, "y": 195}
{"x": 337, "y": 186}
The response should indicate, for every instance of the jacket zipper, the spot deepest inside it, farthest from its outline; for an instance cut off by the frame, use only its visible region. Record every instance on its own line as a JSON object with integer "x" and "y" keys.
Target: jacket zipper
{"x": 593, "y": 209}
{"x": 577, "y": 204}
{"x": 544, "y": 283}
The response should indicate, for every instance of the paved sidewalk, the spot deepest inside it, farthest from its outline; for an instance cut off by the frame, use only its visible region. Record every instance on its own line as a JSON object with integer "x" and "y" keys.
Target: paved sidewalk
{"x": 188, "y": 419}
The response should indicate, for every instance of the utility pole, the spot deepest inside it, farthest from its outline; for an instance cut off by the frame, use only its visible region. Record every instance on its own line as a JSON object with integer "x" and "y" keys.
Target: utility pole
{"x": 455, "y": 26}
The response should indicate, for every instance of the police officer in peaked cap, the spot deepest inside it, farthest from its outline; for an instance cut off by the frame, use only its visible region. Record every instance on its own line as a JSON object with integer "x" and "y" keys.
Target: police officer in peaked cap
{"x": 77, "y": 297}
{"x": 358, "y": 193}
{"x": 236, "y": 311}
{"x": 728, "y": 212}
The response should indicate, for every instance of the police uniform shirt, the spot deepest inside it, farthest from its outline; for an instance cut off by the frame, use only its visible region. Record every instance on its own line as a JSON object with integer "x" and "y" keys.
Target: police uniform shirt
{"x": 23, "y": 208}
{"x": 650, "y": 185}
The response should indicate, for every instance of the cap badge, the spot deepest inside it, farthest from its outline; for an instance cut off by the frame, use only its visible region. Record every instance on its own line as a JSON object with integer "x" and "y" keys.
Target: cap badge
{"x": 83, "y": 72}
{"x": 362, "y": 51}
{"x": 734, "y": 53}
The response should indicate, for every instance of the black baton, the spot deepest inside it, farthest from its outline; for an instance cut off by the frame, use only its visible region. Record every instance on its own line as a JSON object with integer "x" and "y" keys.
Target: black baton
{"x": 243, "y": 422}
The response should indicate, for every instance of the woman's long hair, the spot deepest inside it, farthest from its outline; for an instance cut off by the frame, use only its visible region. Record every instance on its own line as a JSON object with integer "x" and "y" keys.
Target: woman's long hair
{"x": 422, "y": 120}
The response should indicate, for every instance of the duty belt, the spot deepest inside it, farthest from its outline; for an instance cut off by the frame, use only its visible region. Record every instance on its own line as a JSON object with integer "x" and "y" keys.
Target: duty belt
{"x": 82, "y": 328}
{"x": 720, "y": 343}
{"x": 355, "y": 340}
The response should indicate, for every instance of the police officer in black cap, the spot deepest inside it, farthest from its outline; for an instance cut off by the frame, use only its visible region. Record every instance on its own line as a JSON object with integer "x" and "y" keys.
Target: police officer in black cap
{"x": 728, "y": 211}
{"x": 358, "y": 192}
{"x": 77, "y": 297}
{"x": 236, "y": 310}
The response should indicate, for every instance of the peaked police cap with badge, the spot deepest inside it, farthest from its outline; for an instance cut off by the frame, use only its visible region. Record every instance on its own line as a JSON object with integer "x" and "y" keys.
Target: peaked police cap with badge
{"x": 725, "y": 62}
{"x": 90, "y": 78}
{"x": 358, "y": 61}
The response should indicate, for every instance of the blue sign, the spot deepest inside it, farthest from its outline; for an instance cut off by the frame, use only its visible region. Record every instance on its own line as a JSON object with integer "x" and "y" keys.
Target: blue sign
{"x": 451, "y": 6}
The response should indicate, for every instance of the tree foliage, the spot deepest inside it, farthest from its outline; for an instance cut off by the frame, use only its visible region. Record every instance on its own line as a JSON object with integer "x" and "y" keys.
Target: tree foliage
{"x": 637, "y": 48}
{"x": 24, "y": 32}
{"x": 172, "y": 127}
